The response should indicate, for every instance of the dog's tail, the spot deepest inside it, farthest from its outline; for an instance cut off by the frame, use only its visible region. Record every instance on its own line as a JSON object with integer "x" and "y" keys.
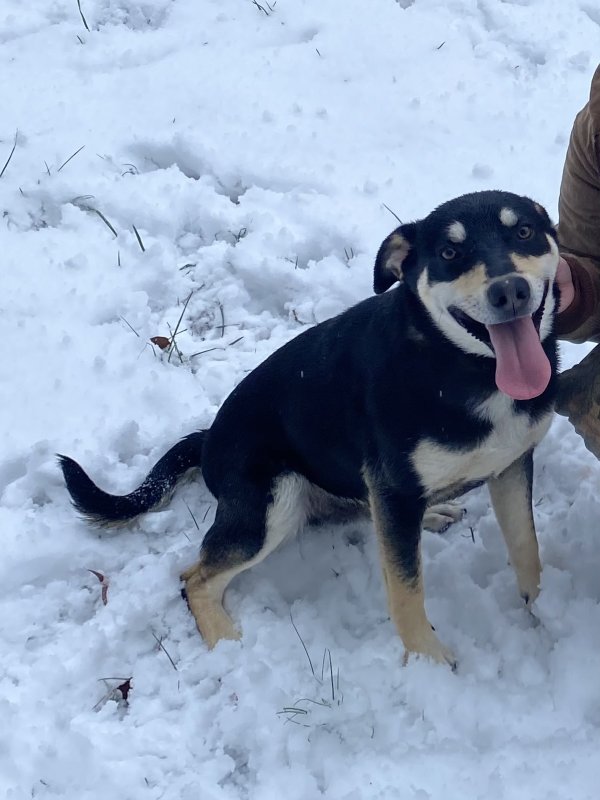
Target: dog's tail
{"x": 107, "y": 510}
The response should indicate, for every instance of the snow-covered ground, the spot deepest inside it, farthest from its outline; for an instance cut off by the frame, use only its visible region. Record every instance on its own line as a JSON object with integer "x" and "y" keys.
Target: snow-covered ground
{"x": 253, "y": 147}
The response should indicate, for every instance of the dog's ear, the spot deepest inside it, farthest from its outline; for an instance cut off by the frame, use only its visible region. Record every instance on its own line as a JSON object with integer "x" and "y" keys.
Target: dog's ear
{"x": 546, "y": 217}
{"x": 392, "y": 256}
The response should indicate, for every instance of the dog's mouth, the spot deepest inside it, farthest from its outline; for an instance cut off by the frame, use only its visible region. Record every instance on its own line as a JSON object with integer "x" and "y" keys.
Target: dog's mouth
{"x": 522, "y": 367}
{"x": 476, "y": 329}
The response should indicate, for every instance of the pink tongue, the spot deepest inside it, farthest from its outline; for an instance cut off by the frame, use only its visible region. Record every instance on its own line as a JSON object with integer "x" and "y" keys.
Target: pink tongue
{"x": 522, "y": 368}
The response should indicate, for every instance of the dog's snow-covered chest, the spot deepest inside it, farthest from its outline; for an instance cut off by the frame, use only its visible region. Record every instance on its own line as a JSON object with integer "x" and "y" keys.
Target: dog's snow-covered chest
{"x": 512, "y": 435}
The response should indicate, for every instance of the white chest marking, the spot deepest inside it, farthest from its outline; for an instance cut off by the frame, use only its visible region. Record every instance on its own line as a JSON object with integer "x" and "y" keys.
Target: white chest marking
{"x": 439, "y": 467}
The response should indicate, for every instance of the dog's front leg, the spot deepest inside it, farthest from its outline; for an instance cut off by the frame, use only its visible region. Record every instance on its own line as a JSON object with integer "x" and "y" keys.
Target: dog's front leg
{"x": 397, "y": 519}
{"x": 511, "y": 499}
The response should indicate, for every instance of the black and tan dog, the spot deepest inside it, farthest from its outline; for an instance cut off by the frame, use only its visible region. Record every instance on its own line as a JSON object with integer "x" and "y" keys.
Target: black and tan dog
{"x": 407, "y": 399}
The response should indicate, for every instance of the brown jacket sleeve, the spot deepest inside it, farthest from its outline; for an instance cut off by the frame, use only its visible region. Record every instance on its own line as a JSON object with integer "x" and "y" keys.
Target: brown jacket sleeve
{"x": 579, "y": 222}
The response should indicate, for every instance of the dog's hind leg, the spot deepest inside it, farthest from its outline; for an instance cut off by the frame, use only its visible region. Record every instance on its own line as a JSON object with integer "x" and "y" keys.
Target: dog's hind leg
{"x": 248, "y": 526}
{"x": 397, "y": 520}
{"x": 511, "y": 499}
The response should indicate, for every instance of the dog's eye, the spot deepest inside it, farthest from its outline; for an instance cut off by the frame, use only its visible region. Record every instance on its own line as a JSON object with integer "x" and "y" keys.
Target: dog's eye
{"x": 448, "y": 253}
{"x": 525, "y": 232}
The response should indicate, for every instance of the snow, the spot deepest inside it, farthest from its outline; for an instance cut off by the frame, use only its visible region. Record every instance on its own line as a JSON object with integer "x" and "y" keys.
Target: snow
{"x": 253, "y": 147}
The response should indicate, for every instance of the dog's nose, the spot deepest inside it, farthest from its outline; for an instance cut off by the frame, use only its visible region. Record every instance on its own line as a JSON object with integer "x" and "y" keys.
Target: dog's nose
{"x": 509, "y": 294}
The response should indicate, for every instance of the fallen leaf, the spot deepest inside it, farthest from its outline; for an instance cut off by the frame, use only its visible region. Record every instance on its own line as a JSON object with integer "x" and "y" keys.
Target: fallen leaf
{"x": 104, "y": 584}
{"x": 161, "y": 341}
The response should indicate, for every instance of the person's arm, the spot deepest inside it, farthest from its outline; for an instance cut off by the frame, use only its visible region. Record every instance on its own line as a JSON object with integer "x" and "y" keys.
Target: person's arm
{"x": 578, "y": 275}
{"x": 579, "y": 224}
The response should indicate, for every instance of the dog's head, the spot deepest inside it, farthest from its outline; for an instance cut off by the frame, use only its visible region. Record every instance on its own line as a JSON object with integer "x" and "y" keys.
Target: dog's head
{"x": 483, "y": 266}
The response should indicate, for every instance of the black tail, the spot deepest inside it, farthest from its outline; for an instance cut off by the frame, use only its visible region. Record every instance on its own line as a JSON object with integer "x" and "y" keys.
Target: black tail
{"x": 109, "y": 509}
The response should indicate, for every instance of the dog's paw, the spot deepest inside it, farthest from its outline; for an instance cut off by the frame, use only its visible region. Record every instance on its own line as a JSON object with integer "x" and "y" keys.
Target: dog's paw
{"x": 438, "y": 518}
{"x": 431, "y": 647}
{"x": 204, "y": 600}
{"x": 531, "y": 594}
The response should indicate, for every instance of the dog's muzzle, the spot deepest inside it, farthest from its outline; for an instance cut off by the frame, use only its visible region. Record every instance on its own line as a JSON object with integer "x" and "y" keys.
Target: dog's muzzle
{"x": 508, "y": 320}
{"x": 523, "y": 370}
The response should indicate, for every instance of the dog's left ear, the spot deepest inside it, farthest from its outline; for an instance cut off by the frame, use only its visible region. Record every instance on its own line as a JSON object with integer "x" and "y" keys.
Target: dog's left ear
{"x": 542, "y": 212}
{"x": 391, "y": 258}
{"x": 546, "y": 217}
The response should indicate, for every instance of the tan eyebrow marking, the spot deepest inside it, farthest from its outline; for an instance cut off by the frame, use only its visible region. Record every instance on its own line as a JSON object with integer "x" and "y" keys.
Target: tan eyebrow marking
{"x": 508, "y": 217}
{"x": 456, "y": 232}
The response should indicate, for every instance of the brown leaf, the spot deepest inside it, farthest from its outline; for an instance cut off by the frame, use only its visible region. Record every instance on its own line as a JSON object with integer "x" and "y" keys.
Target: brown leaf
{"x": 104, "y": 584}
{"x": 161, "y": 341}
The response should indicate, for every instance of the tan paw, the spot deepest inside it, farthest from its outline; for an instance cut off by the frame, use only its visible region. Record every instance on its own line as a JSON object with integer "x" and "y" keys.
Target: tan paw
{"x": 204, "y": 600}
{"x": 430, "y": 646}
{"x": 214, "y": 632}
{"x": 438, "y": 518}
{"x": 530, "y": 594}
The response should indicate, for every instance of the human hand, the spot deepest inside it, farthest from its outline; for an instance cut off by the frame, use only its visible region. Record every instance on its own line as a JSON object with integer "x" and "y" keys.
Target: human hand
{"x": 564, "y": 281}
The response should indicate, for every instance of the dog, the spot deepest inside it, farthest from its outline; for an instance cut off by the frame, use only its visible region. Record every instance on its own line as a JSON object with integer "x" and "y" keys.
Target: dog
{"x": 406, "y": 400}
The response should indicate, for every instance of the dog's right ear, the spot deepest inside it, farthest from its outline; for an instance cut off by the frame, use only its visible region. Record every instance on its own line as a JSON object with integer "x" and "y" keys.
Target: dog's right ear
{"x": 392, "y": 255}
